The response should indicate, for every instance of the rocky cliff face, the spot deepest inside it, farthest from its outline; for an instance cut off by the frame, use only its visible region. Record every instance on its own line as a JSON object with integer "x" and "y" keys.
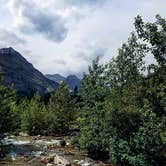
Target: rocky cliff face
{"x": 18, "y": 71}
{"x": 72, "y": 81}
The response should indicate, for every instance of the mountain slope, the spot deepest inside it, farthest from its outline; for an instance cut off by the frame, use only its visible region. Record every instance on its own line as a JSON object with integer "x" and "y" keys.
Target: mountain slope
{"x": 72, "y": 81}
{"x": 55, "y": 77}
{"x": 18, "y": 71}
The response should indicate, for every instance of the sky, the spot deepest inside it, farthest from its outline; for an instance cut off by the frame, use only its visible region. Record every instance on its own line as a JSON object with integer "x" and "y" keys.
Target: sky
{"x": 64, "y": 36}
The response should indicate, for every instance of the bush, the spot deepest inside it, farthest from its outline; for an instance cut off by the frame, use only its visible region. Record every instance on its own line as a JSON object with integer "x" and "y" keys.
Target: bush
{"x": 33, "y": 117}
{"x": 75, "y": 141}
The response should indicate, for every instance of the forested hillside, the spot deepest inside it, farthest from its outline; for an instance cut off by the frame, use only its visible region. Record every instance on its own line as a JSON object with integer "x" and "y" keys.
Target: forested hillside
{"x": 120, "y": 111}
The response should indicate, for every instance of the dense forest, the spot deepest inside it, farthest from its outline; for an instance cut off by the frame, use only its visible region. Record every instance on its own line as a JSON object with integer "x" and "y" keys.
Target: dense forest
{"x": 119, "y": 112}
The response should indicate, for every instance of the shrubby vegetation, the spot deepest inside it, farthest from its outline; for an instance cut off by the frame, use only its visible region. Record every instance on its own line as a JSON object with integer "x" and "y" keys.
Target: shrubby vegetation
{"x": 120, "y": 109}
{"x": 123, "y": 112}
{"x": 9, "y": 113}
{"x": 48, "y": 119}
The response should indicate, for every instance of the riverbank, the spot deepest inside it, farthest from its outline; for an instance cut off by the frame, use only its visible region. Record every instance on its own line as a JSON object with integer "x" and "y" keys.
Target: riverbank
{"x": 25, "y": 150}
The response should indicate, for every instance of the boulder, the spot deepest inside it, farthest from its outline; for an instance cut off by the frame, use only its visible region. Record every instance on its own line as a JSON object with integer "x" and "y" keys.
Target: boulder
{"x": 46, "y": 160}
{"x": 84, "y": 163}
{"x": 49, "y": 164}
{"x": 60, "y": 161}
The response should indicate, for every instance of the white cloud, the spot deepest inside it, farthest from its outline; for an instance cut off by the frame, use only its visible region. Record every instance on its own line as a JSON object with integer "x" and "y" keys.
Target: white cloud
{"x": 10, "y": 38}
{"x": 30, "y": 19}
{"x": 89, "y": 28}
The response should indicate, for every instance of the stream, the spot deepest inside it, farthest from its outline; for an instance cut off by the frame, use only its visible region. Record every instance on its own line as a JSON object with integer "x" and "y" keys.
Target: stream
{"x": 36, "y": 151}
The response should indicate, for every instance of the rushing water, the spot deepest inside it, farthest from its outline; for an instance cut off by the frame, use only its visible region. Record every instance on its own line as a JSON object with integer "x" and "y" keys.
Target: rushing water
{"x": 25, "y": 151}
{"x": 14, "y": 149}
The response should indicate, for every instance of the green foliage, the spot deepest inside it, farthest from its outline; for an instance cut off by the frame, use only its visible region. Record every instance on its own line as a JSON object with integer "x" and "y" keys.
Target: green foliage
{"x": 154, "y": 34}
{"x": 138, "y": 116}
{"x": 53, "y": 118}
{"x": 60, "y": 110}
{"x": 75, "y": 141}
{"x": 121, "y": 108}
{"x": 124, "y": 108}
{"x": 33, "y": 116}
{"x": 94, "y": 129}
{"x": 8, "y": 111}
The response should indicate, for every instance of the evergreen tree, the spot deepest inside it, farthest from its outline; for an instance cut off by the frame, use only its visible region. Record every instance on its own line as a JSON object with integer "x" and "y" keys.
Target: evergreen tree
{"x": 94, "y": 129}
{"x": 60, "y": 110}
{"x": 33, "y": 116}
{"x": 8, "y": 113}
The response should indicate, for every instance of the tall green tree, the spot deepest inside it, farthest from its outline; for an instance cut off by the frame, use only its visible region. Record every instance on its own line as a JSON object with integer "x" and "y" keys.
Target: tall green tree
{"x": 60, "y": 110}
{"x": 8, "y": 113}
{"x": 123, "y": 101}
{"x": 33, "y": 116}
{"x": 154, "y": 35}
{"x": 137, "y": 103}
{"x": 94, "y": 129}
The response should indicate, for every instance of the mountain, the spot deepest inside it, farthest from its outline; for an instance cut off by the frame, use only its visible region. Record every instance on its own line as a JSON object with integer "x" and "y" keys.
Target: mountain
{"x": 55, "y": 77}
{"x": 16, "y": 70}
{"x": 72, "y": 81}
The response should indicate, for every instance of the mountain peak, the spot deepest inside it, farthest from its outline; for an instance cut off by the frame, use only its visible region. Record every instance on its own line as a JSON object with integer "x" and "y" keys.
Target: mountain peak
{"x": 18, "y": 71}
{"x": 72, "y": 80}
{"x": 7, "y": 50}
{"x": 72, "y": 75}
{"x": 55, "y": 77}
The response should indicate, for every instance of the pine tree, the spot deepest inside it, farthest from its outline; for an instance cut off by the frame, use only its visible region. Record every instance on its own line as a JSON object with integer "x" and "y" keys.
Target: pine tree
{"x": 60, "y": 110}
{"x": 7, "y": 112}
{"x": 33, "y": 116}
{"x": 94, "y": 129}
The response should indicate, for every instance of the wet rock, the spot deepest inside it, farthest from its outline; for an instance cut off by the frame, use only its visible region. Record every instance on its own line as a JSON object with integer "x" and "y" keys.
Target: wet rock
{"x": 44, "y": 160}
{"x": 23, "y": 134}
{"x": 31, "y": 161}
{"x": 76, "y": 161}
{"x": 84, "y": 163}
{"x": 36, "y": 162}
{"x": 37, "y": 153}
{"x": 37, "y": 137}
{"x": 60, "y": 161}
{"x": 47, "y": 160}
{"x": 13, "y": 156}
{"x": 67, "y": 143}
{"x": 14, "y": 141}
{"x": 11, "y": 136}
{"x": 49, "y": 164}
{"x": 23, "y": 158}
{"x": 45, "y": 148}
{"x": 47, "y": 142}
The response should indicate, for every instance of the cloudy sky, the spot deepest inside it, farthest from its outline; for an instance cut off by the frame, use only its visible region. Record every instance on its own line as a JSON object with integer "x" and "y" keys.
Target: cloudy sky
{"x": 63, "y": 36}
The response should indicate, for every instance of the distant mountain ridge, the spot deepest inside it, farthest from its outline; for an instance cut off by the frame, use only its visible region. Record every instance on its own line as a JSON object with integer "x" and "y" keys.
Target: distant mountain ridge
{"x": 55, "y": 77}
{"x": 72, "y": 81}
{"x": 16, "y": 70}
